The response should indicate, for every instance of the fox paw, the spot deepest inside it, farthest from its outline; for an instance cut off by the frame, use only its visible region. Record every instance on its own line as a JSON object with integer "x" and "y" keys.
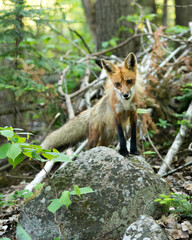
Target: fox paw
{"x": 124, "y": 152}
{"x": 135, "y": 152}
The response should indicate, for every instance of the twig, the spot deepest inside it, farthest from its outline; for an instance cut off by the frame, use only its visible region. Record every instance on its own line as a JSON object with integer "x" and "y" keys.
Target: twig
{"x": 140, "y": 15}
{"x": 159, "y": 155}
{"x": 120, "y": 44}
{"x": 95, "y": 84}
{"x": 74, "y": 44}
{"x": 177, "y": 142}
{"x": 82, "y": 39}
{"x": 5, "y": 167}
{"x": 40, "y": 176}
{"x": 61, "y": 81}
{"x": 51, "y": 124}
{"x": 177, "y": 169}
{"x": 66, "y": 95}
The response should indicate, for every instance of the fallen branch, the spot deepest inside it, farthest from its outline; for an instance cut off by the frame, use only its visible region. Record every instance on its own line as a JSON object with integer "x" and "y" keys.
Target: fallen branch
{"x": 177, "y": 169}
{"x": 159, "y": 155}
{"x": 40, "y": 176}
{"x": 49, "y": 165}
{"x": 177, "y": 143}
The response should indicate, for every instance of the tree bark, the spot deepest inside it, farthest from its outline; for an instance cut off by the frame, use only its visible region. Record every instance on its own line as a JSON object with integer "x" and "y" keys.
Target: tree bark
{"x": 108, "y": 24}
{"x": 165, "y": 13}
{"x": 89, "y": 9}
{"x": 183, "y": 10}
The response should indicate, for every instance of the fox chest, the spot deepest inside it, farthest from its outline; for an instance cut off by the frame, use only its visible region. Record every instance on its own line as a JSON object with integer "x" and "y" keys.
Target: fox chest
{"x": 125, "y": 106}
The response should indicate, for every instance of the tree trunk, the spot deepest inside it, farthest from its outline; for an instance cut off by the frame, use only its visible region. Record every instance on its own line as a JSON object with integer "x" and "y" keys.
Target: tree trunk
{"x": 165, "y": 13}
{"x": 89, "y": 9}
{"x": 108, "y": 24}
{"x": 183, "y": 10}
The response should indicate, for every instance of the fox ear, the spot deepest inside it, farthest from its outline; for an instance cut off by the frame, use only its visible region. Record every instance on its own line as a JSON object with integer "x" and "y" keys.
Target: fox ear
{"x": 130, "y": 62}
{"x": 109, "y": 67}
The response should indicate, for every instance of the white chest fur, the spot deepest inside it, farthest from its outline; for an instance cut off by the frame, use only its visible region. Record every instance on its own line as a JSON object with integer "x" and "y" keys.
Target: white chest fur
{"x": 124, "y": 105}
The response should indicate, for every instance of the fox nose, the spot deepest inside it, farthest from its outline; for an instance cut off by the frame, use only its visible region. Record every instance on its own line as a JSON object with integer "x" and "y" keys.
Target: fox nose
{"x": 125, "y": 95}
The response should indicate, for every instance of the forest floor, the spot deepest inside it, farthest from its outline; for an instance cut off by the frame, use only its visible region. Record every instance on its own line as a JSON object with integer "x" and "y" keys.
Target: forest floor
{"x": 14, "y": 180}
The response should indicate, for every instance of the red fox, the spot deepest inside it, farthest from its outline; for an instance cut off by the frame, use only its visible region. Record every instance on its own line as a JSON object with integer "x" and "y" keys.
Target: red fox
{"x": 109, "y": 116}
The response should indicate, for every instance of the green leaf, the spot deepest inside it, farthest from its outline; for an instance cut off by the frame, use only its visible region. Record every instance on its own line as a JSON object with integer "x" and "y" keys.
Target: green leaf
{"x": 54, "y": 205}
{"x": 104, "y": 44}
{"x": 21, "y": 233}
{"x": 7, "y": 133}
{"x": 143, "y": 111}
{"x": 4, "y": 238}
{"x": 150, "y": 16}
{"x": 61, "y": 159}
{"x": 177, "y": 29}
{"x": 38, "y": 186}
{"x": 3, "y": 150}
{"x": 65, "y": 198}
{"x": 19, "y": 139}
{"x": 149, "y": 152}
{"x": 56, "y": 157}
{"x": 17, "y": 160}
{"x": 57, "y": 238}
{"x": 35, "y": 155}
{"x": 14, "y": 150}
{"x": 84, "y": 190}
{"x": 77, "y": 190}
{"x": 27, "y": 153}
{"x": 28, "y": 195}
{"x": 55, "y": 150}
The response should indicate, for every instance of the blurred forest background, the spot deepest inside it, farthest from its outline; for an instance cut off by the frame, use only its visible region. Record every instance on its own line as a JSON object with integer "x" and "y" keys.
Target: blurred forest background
{"x": 50, "y": 52}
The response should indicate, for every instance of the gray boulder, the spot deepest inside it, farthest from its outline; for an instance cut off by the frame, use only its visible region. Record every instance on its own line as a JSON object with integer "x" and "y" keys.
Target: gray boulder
{"x": 124, "y": 189}
{"x": 145, "y": 228}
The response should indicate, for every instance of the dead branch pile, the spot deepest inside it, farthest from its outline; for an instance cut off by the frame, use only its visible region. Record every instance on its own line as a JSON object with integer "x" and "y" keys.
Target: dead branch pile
{"x": 163, "y": 69}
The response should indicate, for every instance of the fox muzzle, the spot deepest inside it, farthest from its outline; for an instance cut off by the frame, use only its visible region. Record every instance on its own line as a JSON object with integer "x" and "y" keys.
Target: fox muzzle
{"x": 126, "y": 96}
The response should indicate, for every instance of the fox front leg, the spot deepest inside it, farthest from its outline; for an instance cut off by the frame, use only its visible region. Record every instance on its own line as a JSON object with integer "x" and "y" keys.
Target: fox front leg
{"x": 133, "y": 144}
{"x": 123, "y": 146}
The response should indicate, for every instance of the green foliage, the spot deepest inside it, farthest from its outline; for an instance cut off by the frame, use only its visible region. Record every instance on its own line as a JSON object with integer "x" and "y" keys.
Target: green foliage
{"x": 163, "y": 123}
{"x": 143, "y": 111}
{"x": 65, "y": 198}
{"x": 135, "y": 18}
{"x": 17, "y": 148}
{"x": 17, "y": 47}
{"x": 111, "y": 43}
{"x": 179, "y": 204}
{"x": 177, "y": 29}
{"x": 151, "y": 153}
{"x": 21, "y": 233}
{"x": 18, "y": 195}
{"x": 186, "y": 96}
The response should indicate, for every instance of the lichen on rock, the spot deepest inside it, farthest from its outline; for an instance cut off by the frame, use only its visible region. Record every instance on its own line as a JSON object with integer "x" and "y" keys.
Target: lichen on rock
{"x": 124, "y": 189}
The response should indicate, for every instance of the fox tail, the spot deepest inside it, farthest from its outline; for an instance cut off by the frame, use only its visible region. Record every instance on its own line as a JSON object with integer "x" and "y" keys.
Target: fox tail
{"x": 73, "y": 131}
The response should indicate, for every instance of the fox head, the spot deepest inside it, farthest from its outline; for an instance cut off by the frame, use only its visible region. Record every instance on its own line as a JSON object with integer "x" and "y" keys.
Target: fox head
{"x": 124, "y": 77}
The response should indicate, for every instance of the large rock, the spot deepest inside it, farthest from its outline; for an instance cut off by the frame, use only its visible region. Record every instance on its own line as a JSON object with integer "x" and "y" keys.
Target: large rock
{"x": 124, "y": 189}
{"x": 145, "y": 228}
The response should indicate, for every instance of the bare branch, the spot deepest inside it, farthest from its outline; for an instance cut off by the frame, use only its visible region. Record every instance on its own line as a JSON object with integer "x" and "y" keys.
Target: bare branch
{"x": 177, "y": 169}
{"x": 159, "y": 155}
{"x": 177, "y": 143}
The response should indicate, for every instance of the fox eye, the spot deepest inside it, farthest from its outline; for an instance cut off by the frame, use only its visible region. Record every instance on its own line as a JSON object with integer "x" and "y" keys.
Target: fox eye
{"x": 129, "y": 81}
{"x": 117, "y": 84}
